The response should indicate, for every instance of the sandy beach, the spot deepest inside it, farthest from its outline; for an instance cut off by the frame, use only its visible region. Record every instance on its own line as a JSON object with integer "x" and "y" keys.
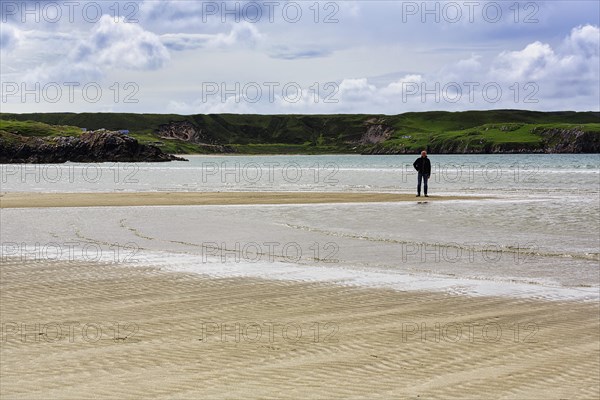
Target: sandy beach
{"x": 300, "y": 200}
{"x": 111, "y": 331}
{"x": 30, "y": 200}
{"x": 442, "y": 297}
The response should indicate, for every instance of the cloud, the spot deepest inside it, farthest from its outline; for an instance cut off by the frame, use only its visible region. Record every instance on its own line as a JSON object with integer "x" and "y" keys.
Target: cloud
{"x": 569, "y": 70}
{"x": 110, "y": 45}
{"x": 355, "y": 88}
{"x": 204, "y": 17}
{"x": 121, "y": 45}
{"x": 530, "y": 63}
{"x": 287, "y": 53}
{"x": 584, "y": 40}
{"x": 9, "y": 37}
{"x": 370, "y": 54}
{"x": 398, "y": 87}
{"x": 537, "y": 76}
{"x": 240, "y": 34}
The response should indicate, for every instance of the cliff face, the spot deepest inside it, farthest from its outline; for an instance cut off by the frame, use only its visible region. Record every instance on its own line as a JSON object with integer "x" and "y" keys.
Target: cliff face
{"x": 551, "y": 141}
{"x": 376, "y": 132}
{"x": 570, "y": 141}
{"x": 103, "y": 146}
{"x": 188, "y": 132}
{"x": 183, "y": 130}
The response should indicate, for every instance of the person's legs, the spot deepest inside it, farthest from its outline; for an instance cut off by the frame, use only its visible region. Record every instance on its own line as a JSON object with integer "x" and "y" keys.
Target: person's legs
{"x": 419, "y": 177}
{"x": 425, "y": 179}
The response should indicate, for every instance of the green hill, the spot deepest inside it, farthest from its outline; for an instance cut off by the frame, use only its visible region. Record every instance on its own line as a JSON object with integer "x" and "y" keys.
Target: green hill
{"x": 442, "y": 132}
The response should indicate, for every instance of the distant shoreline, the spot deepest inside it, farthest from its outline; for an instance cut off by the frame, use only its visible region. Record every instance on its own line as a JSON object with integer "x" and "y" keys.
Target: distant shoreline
{"x": 467, "y": 132}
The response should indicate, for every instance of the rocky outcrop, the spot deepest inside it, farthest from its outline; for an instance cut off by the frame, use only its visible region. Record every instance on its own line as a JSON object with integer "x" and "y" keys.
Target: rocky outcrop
{"x": 182, "y": 130}
{"x": 569, "y": 140}
{"x": 188, "y": 132}
{"x": 377, "y": 132}
{"x": 101, "y": 146}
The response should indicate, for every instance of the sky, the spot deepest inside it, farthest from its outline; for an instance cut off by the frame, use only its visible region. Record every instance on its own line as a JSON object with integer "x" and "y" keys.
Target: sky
{"x": 298, "y": 57}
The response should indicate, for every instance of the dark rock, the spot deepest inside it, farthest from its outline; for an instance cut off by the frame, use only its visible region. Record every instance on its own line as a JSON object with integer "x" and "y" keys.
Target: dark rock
{"x": 102, "y": 146}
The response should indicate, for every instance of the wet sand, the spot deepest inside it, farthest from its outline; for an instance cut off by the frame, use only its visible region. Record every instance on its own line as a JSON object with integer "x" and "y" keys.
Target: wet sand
{"x": 29, "y": 200}
{"x": 75, "y": 330}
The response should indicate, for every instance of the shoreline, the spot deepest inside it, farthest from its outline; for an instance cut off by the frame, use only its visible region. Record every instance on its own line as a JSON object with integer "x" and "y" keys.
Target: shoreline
{"x": 235, "y": 337}
{"x": 129, "y": 199}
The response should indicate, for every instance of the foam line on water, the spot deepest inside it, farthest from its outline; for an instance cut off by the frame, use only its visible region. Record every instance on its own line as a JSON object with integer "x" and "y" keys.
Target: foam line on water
{"x": 349, "y": 276}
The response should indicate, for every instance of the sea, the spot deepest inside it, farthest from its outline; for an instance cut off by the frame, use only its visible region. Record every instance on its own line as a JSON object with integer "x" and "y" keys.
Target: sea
{"x": 529, "y": 228}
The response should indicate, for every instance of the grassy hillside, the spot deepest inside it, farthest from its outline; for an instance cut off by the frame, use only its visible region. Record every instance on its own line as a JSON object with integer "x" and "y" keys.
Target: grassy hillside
{"x": 38, "y": 129}
{"x": 314, "y": 134}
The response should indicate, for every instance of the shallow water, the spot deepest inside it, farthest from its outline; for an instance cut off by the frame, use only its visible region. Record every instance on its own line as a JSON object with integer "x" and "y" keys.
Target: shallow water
{"x": 555, "y": 174}
{"x": 538, "y": 237}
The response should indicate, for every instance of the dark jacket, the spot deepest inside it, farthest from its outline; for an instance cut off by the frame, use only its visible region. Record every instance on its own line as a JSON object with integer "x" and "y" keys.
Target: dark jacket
{"x": 422, "y": 164}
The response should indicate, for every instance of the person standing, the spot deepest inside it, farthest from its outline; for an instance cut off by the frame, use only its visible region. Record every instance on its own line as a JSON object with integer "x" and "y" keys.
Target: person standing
{"x": 423, "y": 167}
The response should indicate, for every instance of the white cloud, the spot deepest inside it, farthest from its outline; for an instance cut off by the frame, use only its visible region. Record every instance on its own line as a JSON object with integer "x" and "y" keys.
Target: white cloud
{"x": 121, "y": 45}
{"x": 531, "y": 63}
{"x": 584, "y": 40}
{"x": 355, "y": 89}
{"x": 565, "y": 74}
{"x": 576, "y": 58}
{"x": 110, "y": 45}
{"x": 398, "y": 87}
